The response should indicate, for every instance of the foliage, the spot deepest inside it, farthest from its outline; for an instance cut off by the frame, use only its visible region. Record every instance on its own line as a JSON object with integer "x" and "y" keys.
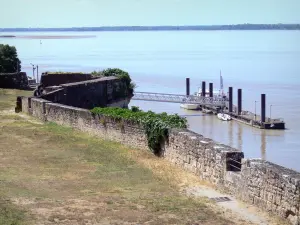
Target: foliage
{"x": 156, "y": 125}
{"x": 97, "y": 73}
{"x": 121, "y": 74}
{"x": 9, "y": 61}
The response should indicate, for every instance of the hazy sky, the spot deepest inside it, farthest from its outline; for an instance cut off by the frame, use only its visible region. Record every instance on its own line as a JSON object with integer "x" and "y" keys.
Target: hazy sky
{"x": 68, "y": 13}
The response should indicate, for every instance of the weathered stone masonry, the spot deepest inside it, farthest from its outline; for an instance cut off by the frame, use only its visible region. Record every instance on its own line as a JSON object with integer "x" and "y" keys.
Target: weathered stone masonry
{"x": 266, "y": 185}
{"x": 88, "y": 94}
{"x": 200, "y": 155}
{"x": 14, "y": 80}
{"x": 52, "y": 79}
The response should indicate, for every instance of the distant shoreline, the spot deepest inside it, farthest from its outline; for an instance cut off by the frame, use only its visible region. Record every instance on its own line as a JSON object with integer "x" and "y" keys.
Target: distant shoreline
{"x": 162, "y": 28}
{"x": 47, "y": 36}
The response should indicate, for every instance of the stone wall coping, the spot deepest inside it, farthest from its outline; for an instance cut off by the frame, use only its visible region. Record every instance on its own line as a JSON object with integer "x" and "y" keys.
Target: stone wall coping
{"x": 52, "y": 92}
{"x": 89, "y": 81}
{"x": 64, "y": 73}
{"x": 35, "y": 99}
{"x": 67, "y": 107}
{"x": 5, "y": 74}
{"x": 203, "y": 140}
{"x": 280, "y": 170}
{"x": 54, "y": 86}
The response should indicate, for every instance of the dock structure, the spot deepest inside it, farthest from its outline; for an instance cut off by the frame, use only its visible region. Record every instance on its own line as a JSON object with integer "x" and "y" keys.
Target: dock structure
{"x": 216, "y": 104}
{"x": 183, "y": 99}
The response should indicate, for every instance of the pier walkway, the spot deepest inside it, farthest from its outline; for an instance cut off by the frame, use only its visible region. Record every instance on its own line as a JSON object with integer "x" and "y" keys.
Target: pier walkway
{"x": 183, "y": 99}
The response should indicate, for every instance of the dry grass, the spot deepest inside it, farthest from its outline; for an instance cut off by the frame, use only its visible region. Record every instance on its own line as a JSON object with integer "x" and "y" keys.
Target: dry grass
{"x": 51, "y": 174}
{"x": 8, "y": 98}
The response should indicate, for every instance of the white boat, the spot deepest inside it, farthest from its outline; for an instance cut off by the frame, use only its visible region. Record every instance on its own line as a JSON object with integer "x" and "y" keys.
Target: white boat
{"x": 190, "y": 106}
{"x": 223, "y": 116}
{"x": 216, "y": 93}
{"x": 207, "y": 111}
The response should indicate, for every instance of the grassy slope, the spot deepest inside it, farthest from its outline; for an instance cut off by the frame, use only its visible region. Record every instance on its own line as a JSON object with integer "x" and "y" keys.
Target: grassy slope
{"x": 55, "y": 175}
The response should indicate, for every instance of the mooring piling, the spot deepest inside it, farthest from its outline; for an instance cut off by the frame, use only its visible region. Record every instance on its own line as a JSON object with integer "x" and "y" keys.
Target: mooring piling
{"x": 203, "y": 88}
{"x": 211, "y": 88}
{"x": 230, "y": 99}
{"x": 239, "y": 101}
{"x": 187, "y": 82}
{"x": 263, "y": 108}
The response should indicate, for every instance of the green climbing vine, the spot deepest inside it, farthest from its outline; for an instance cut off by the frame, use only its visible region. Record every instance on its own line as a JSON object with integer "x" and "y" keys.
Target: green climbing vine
{"x": 156, "y": 125}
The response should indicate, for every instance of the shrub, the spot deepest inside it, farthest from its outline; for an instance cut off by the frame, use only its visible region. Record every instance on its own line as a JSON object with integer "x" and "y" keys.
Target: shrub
{"x": 121, "y": 74}
{"x": 156, "y": 125}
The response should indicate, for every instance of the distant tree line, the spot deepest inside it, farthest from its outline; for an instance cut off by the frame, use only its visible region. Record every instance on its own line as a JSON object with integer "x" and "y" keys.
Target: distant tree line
{"x": 164, "y": 28}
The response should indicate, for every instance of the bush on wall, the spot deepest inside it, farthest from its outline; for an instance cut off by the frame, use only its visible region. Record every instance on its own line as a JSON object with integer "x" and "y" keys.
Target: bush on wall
{"x": 121, "y": 74}
{"x": 156, "y": 125}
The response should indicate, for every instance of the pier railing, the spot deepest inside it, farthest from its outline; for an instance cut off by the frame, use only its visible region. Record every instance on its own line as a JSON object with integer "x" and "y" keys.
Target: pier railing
{"x": 175, "y": 98}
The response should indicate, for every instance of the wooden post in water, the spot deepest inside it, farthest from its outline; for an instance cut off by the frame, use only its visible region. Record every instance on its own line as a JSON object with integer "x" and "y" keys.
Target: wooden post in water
{"x": 230, "y": 99}
{"x": 187, "y": 82}
{"x": 239, "y": 101}
{"x": 203, "y": 88}
{"x": 263, "y": 108}
{"x": 211, "y": 89}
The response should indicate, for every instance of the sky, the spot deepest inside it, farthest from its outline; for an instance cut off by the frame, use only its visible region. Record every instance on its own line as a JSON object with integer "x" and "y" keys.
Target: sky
{"x": 78, "y": 13}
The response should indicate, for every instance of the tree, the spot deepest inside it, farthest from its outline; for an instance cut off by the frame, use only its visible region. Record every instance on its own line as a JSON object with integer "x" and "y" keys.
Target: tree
{"x": 9, "y": 61}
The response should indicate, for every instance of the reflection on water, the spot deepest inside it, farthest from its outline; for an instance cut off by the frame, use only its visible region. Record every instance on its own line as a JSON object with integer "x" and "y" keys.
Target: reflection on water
{"x": 230, "y": 134}
{"x": 240, "y": 136}
{"x": 263, "y": 145}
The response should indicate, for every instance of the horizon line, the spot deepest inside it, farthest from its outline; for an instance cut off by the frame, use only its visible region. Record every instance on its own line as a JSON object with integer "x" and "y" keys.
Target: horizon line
{"x": 125, "y": 26}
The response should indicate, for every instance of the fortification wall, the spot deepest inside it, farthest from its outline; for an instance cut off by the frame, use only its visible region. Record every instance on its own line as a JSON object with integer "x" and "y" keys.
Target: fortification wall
{"x": 106, "y": 128}
{"x": 266, "y": 185}
{"x": 53, "y": 79}
{"x": 202, "y": 156}
{"x": 271, "y": 187}
{"x": 101, "y": 92}
{"x": 38, "y": 108}
{"x": 14, "y": 80}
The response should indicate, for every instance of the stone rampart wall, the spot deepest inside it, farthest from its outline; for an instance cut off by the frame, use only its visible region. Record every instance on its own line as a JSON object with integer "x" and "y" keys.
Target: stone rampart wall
{"x": 14, "y": 80}
{"x": 101, "y": 92}
{"x": 52, "y": 79}
{"x": 268, "y": 186}
{"x": 200, "y": 155}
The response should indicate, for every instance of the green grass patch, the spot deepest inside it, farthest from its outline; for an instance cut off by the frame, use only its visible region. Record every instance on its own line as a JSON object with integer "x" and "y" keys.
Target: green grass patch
{"x": 11, "y": 214}
{"x": 8, "y": 97}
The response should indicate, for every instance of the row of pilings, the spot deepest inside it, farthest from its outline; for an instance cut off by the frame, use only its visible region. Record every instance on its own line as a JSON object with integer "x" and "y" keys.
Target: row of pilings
{"x": 230, "y": 97}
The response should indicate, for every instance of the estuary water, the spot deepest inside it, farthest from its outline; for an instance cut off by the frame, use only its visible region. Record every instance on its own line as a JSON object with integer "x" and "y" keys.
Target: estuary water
{"x": 256, "y": 61}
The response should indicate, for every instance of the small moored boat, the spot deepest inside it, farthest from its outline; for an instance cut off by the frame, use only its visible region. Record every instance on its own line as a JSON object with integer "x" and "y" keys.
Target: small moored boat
{"x": 207, "y": 111}
{"x": 190, "y": 106}
{"x": 223, "y": 116}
